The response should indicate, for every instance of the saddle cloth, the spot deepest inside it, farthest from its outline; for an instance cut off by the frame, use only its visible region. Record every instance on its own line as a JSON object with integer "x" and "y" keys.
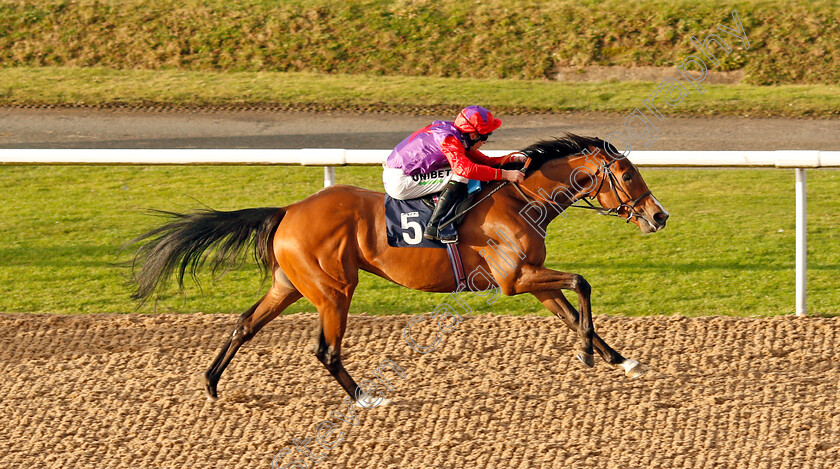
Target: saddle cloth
{"x": 405, "y": 221}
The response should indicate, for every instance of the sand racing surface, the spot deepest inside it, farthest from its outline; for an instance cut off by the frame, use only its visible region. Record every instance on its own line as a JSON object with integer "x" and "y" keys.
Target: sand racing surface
{"x": 107, "y": 391}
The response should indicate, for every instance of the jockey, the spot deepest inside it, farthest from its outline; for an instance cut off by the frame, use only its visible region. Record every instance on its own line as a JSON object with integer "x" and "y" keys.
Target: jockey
{"x": 443, "y": 156}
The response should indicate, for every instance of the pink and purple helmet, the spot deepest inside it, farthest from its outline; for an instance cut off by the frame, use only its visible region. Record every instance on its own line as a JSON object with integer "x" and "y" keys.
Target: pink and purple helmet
{"x": 476, "y": 119}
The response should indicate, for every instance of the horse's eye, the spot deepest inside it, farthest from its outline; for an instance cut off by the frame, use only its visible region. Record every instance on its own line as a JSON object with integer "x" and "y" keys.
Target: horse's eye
{"x": 627, "y": 176}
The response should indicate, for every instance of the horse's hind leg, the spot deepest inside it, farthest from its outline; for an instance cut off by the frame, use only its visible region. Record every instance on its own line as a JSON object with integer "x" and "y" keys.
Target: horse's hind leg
{"x": 248, "y": 324}
{"x": 333, "y": 308}
{"x": 331, "y": 294}
{"x": 329, "y": 354}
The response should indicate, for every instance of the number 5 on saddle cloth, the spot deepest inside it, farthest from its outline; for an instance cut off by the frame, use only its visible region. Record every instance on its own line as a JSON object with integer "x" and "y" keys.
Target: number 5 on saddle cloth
{"x": 406, "y": 219}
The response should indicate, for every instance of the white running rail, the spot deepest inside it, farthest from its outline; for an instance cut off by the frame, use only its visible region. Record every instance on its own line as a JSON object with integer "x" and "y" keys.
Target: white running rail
{"x": 798, "y": 160}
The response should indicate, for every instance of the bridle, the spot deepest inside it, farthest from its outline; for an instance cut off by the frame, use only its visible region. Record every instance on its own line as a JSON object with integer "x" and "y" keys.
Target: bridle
{"x": 607, "y": 175}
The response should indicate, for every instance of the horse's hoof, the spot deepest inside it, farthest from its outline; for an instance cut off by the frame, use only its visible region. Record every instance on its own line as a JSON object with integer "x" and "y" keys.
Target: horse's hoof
{"x": 210, "y": 390}
{"x": 384, "y": 402}
{"x": 586, "y": 358}
{"x": 633, "y": 369}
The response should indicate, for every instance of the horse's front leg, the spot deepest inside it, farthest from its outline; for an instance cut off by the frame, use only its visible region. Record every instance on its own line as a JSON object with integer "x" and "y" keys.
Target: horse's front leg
{"x": 547, "y": 283}
{"x": 557, "y": 303}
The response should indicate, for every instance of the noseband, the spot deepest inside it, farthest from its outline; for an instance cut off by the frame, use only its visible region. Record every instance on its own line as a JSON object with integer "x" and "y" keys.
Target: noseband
{"x": 608, "y": 175}
{"x": 615, "y": 188}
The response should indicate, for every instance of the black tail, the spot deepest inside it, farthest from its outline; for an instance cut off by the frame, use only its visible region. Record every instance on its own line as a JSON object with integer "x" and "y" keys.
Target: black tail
{"x": 184, "y": 242}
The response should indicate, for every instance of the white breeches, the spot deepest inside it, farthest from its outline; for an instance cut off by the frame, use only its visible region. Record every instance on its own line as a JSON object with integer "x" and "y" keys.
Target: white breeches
{"x": 402, "y": 187}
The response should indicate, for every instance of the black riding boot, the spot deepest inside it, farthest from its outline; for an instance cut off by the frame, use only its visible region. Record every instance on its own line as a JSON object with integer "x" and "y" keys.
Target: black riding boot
{"x": 448, "y": 198}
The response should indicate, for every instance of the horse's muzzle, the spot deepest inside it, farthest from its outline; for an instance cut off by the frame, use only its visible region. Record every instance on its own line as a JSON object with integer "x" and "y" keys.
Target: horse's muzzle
{"x": 660, "y": 218}
{"x": 652, "y": 224}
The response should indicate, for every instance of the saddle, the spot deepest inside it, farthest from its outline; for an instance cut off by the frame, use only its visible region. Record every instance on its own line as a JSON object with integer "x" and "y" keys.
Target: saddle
{"x": 431, "y": 200}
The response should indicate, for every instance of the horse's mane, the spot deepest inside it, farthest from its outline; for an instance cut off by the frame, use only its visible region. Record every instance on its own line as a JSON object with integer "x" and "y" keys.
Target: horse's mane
{"x": 570, "y": 144}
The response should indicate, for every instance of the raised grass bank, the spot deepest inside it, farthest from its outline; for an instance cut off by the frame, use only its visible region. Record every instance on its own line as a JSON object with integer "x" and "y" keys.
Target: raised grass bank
{"x": 792, "y": 42}
{"x": 671, "y": 91}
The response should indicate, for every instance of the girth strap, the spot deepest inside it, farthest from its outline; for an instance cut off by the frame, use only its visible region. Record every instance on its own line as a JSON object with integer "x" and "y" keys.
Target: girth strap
{"x": 457, "y": 267}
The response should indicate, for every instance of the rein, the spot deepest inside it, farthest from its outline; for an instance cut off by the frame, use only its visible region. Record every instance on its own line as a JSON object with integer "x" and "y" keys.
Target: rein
{"x": 491, "y": 192}
{"x": 614, "y": 187}
{"x": 608, "y": 176}
{"x": 451, "y": 219}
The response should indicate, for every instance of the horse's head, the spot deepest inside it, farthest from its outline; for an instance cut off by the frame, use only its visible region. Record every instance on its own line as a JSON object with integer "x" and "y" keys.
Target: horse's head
{"x": 592, "y": 168}
{"x": 620, "y": 189}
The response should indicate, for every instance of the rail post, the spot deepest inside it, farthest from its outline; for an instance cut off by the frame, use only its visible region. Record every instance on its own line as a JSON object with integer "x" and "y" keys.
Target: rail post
{"x": 329, "y": 176}
{"x": 801, "y": 243}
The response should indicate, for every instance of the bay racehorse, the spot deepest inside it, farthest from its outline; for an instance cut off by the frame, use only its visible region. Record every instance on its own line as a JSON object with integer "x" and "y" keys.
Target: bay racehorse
{"x": 316, "y": 247}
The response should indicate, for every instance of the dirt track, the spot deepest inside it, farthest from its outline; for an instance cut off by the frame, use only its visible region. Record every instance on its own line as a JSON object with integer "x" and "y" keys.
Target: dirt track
{"x": 104, "y": 391}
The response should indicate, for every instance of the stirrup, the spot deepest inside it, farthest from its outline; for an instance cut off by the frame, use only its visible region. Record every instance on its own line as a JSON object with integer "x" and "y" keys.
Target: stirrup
{"x": 449, "y": 239}
{"x": 445, "y": 240}
{"x": 431, "y": 233}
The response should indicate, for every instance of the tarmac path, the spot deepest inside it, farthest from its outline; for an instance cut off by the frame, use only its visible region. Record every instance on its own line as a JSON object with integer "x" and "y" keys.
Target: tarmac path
{"x": 74, "y": 128}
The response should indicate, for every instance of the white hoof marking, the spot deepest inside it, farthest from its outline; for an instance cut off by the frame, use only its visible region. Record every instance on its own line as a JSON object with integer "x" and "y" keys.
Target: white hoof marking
{"x": 372, "y": 405}
{"x": 633, "y": 369}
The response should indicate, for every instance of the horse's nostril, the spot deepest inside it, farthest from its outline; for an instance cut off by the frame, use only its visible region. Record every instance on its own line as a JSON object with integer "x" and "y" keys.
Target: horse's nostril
{"x": 660, "y": 217}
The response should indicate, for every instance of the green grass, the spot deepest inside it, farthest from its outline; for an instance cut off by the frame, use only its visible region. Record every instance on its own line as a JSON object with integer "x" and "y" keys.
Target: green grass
{"x": 728, "y": 248}
{"x": 790, "y": 41}
{"x": 103, "y": 87}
